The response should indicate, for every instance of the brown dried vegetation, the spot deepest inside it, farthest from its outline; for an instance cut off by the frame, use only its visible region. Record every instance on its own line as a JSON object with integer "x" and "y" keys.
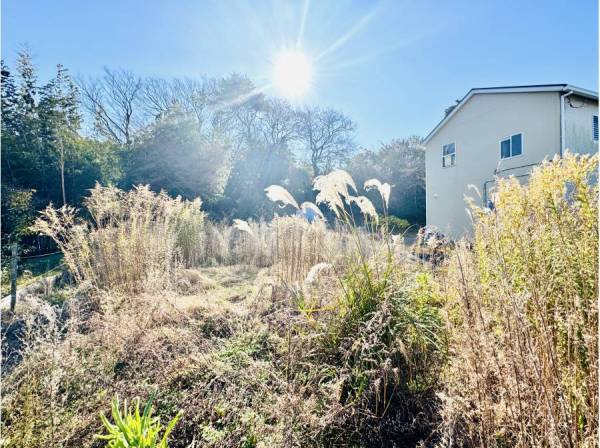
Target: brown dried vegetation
{"x": 294, "y": 334}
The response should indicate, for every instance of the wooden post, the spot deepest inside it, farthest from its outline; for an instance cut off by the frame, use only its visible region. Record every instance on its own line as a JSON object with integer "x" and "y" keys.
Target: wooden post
{"x": 13, "y": 276}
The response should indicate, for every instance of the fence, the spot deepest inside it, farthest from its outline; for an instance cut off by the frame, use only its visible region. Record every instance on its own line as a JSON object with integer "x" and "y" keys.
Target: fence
{"x": 15, "y": 260}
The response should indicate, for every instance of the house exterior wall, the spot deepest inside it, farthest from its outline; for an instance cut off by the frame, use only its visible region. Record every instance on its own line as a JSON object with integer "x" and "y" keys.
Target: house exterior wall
{"x": 476, "y": 130}
{"x": 578, "y": 124}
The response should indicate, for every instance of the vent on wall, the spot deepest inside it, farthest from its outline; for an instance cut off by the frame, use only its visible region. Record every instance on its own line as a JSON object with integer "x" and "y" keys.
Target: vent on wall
{"x": 595, "y": 128}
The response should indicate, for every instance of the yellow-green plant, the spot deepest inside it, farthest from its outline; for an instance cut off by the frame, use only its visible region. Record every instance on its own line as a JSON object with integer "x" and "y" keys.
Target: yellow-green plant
{"x": 524, "y": 314}
{"x": 134, "y": 430}
{"x": 189, "y": 226}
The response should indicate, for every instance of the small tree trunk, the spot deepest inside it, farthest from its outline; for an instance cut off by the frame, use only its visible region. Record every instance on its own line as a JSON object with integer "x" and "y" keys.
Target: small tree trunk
{"x": 13, "y": 276}
{"x": 62, "y": 172}
{"x": 315, "y": 167}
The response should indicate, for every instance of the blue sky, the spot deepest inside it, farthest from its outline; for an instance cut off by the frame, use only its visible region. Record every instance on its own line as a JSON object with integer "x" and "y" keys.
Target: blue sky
{"x": 391, "y": 65}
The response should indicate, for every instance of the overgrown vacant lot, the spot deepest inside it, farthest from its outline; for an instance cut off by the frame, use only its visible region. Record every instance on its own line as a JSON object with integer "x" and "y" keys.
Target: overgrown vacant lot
{"x": 294, "y": 334}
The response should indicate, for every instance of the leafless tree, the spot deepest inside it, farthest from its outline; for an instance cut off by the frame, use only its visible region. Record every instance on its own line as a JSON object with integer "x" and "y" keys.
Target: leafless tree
{"x": 230, "y": 107}
{"x": 237, "y": 109}
{"x": 157, "y": 97}
{"x": 113, "y": 100}
{"x": 279, "y": 124}
{"x": 195, "y": 97}
{"x": 328, "y": 137}
{"x": 189, "y": 95}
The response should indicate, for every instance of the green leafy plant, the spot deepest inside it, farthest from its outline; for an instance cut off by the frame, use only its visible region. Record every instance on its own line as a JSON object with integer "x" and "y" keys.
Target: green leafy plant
{"x": 394, "y": 224}
{"x": 132, "y": 430}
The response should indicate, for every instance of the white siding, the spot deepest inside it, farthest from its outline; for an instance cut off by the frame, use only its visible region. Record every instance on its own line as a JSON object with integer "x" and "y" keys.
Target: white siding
{"x": 578, "y": 124}
{"x": 477, "y": 130}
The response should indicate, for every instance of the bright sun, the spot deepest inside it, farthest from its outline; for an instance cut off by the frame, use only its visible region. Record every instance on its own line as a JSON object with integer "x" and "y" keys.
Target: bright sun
{"x": 292, "y": 74}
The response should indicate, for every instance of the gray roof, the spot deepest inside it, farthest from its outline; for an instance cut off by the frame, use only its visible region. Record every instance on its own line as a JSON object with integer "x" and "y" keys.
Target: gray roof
{"x": 512, "y": 89}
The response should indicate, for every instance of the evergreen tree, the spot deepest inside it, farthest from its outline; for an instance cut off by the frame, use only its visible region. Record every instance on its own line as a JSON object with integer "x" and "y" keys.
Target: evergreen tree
{"x": 9, "y": 98}
{"x": 9, "y": 111}
{"x": 27, "y": 84}
{"x": 59, "y": 122}
{"x": 20, "y": 145}
{"x": 44, "y": 159}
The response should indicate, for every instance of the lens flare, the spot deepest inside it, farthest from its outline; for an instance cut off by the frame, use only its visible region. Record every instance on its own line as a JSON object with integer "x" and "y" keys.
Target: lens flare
{"x": 292, "y": 74}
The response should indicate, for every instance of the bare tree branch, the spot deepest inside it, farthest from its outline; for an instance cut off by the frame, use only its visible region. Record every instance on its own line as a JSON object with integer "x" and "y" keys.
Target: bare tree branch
{"x": 279, "y": 123}
{"x": 113, "y": 102}
{"x": 327, "y": 136}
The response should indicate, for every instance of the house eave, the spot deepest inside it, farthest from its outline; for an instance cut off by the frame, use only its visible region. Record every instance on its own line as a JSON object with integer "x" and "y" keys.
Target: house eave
{"x": 511, "y": 89}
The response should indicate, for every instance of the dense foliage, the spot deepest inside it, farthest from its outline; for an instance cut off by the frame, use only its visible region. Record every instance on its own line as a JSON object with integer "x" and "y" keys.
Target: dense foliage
{"x": 401, "y": 163}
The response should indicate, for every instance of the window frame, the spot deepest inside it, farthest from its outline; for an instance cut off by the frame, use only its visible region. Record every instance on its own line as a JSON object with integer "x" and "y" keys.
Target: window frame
{"x": 445, "y": 155}
{"x": 509, "y": 138}
{"x": 595, "y": 135}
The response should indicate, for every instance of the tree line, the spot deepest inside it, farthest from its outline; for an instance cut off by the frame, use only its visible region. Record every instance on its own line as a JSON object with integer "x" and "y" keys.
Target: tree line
{"x": 221, "y": 139}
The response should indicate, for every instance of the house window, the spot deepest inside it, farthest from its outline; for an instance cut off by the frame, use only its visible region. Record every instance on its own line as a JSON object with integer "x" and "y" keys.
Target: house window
{"x": 595, "y": 128}
{"x": 449, "y": 155}
{"x": 511, "y": 146}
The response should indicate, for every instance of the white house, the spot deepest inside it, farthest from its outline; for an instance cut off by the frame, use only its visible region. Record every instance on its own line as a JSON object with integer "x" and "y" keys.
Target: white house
{"x": 501, "y": 131}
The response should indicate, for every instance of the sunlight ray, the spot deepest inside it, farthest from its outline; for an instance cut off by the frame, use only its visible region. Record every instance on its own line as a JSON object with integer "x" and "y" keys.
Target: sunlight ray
{"x": 241, "y": 98}
{"x": 305, "y": 6}
{"x": 357, "y": 27}
{"x": 368, "y": 57}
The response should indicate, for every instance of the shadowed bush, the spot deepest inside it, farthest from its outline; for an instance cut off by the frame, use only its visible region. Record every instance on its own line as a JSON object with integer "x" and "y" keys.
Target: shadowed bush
{"x": 374, "y": 347}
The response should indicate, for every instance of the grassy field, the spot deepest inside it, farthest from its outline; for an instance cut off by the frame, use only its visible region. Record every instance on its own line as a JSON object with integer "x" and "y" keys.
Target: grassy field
{"x": 295, "y": 334}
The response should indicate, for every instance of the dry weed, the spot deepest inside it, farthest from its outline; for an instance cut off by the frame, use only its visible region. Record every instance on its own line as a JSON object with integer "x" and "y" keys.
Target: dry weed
{"x": 524, "y": 315}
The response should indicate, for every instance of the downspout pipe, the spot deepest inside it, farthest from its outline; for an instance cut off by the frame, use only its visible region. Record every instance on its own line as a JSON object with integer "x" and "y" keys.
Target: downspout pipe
{"x": 562, "y": 121}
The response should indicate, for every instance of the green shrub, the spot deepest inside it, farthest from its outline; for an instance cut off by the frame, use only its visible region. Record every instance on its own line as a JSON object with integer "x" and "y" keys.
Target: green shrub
{"x": 394, "y": 224}
{"x": 390, "y": 320}
{"x": 134, "y": 430}
{"x": 382, "y": 347}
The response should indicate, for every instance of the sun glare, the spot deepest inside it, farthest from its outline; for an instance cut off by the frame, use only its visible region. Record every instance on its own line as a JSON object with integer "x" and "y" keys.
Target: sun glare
{"x": 292, "y": 74}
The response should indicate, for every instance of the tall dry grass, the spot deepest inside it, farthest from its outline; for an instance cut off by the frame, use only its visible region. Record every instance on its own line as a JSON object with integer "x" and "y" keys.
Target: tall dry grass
{"x": 299, "y": 246}
{"x": 289, "y": 244}
{"x": 134, "y": 240}
{"x": 224, "y": 244}
{"x": 524, "y": 315}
